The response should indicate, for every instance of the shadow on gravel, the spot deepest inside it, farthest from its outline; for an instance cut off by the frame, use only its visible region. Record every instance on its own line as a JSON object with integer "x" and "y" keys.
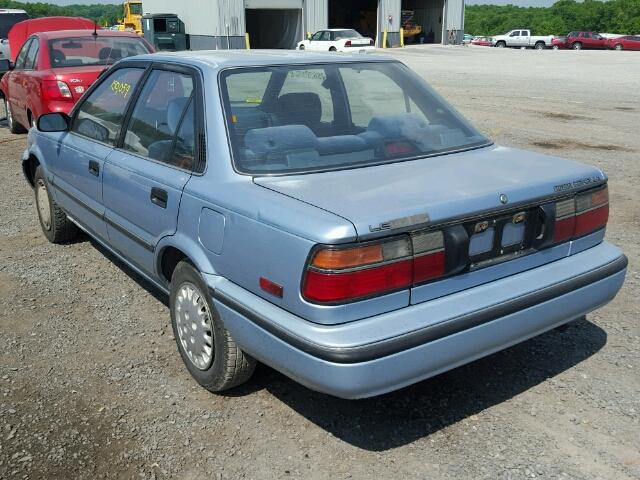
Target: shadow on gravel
{"x": 401, "y": 417}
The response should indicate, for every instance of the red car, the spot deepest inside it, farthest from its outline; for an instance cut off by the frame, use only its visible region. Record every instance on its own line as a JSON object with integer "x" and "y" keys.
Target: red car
{"x": 628, "y": 42}
{"x": 482, "y": 41}
{"x": 53, "y": 69}
{"x": 580, "y": 40}
{"x": 559, "y": 42}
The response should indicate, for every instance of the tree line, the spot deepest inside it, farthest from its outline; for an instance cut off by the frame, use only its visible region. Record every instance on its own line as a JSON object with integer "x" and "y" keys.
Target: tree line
{"x": 613, "y": 16}
{"x": 103, "y": 14}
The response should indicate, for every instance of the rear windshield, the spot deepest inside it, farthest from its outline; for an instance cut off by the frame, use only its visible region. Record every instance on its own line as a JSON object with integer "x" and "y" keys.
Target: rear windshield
{"x": 292, "y": 119}
{"x": 346, "y": 34}
{"x": 93, "y": 50}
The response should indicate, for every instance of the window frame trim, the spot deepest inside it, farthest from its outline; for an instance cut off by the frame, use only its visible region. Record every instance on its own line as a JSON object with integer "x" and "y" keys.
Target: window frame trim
{"x": 199, "y": 166}
{"x": 73, "y": 115}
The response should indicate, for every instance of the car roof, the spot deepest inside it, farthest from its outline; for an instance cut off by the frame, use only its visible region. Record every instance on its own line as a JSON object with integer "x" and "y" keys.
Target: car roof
{"x": 219, "y": 59}
{"x": 83, "y": 33}
{"x": 337, "y": 29}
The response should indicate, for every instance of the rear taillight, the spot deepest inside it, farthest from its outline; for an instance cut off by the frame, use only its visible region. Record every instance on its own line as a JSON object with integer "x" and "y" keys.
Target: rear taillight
{"x": 580, "y": 215}
{"x": 55, "y": 90}
{"x": 347, "y": 43}
{"x": 343, "y": 274}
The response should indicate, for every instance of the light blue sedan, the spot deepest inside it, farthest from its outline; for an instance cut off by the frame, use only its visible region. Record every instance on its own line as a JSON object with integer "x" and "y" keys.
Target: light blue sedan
{"x": 332, "y": 217}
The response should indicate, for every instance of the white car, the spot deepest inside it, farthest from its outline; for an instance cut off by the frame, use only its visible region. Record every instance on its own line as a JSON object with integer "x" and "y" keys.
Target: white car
{"x": 337, "y": 40}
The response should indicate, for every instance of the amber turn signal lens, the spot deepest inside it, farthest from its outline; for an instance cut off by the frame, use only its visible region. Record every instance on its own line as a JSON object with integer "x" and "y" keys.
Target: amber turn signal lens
{"x": 347, "y": 258}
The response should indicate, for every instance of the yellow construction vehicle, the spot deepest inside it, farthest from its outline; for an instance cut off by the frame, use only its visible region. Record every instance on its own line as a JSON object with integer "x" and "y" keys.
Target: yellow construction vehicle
{"x": 132, "y": 20}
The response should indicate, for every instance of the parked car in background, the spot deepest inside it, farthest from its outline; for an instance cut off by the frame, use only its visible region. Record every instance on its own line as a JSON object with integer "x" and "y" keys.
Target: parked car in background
{"x": 467, "y": 38}
{"x": 8, "y": 18}
{"x": 337, "y": 40}
{"x": 523, "y": 39}
{"x": 482, "y": 41}
{"x": 586, "y": 40}
{"x": 53, "y": 70}
{"x": 558, "y": 43}
{"x": 309, "y": 212}
{"x": 628, "y": 42}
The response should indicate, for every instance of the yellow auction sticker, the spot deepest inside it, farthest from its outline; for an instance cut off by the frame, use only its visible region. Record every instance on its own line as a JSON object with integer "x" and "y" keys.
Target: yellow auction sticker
{"x": 121, "y": 88}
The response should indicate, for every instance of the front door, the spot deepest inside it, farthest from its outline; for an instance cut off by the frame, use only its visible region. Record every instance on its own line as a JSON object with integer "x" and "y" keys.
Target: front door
{"x": 144, "y": 178}
{"x": 80, "y": 154}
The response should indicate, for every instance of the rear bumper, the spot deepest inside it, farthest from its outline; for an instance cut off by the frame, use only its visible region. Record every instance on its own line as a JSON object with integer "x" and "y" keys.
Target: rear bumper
{"x": 386, "y": 352}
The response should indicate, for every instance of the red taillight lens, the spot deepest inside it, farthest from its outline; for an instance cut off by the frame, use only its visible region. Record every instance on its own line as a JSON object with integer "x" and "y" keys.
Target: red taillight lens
{"x": 337, "y": 275}
{"x": 581, "y": 215}
{"x": 55, "y": 90}
{"x": 347, "y": 43}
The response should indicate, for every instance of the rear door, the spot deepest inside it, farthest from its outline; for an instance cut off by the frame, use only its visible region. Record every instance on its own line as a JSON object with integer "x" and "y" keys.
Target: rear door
{"x": 144, "y": 177}
{"x": 79, "y": 163}
{"x": 524, "y": 38}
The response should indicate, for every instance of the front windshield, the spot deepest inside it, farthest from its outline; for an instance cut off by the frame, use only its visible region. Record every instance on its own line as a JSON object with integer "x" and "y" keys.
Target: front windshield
{"x": 346, "y": 34}
{"x": 93, "y": 50}
{"x": 291, "y": 119}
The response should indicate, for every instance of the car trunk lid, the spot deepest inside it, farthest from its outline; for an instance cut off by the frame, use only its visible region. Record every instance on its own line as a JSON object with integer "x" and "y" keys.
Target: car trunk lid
{"x": 79, "y": 79}
{"x": 408, "y": 195}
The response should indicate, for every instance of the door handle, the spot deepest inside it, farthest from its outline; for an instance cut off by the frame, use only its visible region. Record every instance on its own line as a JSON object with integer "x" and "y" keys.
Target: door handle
{"x": 159, "y": 197}
{"x": 94, "y": 168}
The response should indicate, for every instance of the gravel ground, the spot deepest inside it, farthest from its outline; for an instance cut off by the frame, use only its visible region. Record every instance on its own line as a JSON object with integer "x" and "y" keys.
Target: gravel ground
{"x": 92, "y": 386}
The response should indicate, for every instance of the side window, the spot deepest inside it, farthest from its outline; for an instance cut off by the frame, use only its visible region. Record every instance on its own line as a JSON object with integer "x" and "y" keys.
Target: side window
{"x": 325, "y": 36}
{"x": 163, "y": 117}
{"x": 305, "y": 91}
{"x": 371, "y": 94}
{"x": 515, "y": 34}
{"x": 32, "y": 56}
{"x": 316, "y": 36}
{"x": 22, "y": 55}
{"x": 101, "y": 114}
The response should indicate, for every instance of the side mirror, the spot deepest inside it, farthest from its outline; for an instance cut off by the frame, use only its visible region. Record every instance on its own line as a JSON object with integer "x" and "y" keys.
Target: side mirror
{"x": 5, "y": 65}
{"x": 53, "y": 122}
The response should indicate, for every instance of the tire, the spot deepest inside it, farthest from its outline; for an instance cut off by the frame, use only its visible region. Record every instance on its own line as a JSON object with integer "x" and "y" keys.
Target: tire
{"x": 333, "y": 49}
{"x": 301, "y": 47}
{"x": 14, "y": 127}
{"x": 55, "y": 225}
{"x": 555, "y": 47}
{"x": 216, "y": 362}
{"x": 576, "y": 46}
{"x": 618, "y": 46}
{"x": 33, "y": 121}
{"x": 539, "y": 46}
{"x": 501, "y": 45}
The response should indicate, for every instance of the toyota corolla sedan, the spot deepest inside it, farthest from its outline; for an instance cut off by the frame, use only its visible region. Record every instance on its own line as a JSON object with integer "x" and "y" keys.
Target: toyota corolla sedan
{"x": 53, "y": 69}
{"x": 332, "y": 217}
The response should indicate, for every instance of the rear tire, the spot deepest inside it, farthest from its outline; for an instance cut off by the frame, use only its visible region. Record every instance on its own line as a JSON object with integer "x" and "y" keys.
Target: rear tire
{"x": 501, "y": 45}
{"x": 207, "y": 349}
{"x": 301, "y": 47}
{"x": 619, "y": 46}
{"x": 14, "y": 127}
{"x": 576, "y": 46}
{"x": 555, "y": 47}
{"x": 53, "y": 221}
{"x": 539, "y": 46}
{"x": 333, "y": 49}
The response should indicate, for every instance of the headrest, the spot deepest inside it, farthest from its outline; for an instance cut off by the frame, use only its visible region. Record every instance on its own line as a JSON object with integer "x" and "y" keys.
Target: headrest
{"x": 408, "y": 125}
{"x": 299, "y": 108}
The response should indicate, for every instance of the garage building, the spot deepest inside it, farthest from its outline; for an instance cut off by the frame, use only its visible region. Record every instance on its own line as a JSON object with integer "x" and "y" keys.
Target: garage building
{"x": 222, "y": 24}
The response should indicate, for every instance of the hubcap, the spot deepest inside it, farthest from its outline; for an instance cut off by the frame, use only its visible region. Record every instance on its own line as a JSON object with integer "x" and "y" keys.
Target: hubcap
{"x": 193, "y": 321}
{"x": 42, "y": 200}
{"x": 8, "y": 112}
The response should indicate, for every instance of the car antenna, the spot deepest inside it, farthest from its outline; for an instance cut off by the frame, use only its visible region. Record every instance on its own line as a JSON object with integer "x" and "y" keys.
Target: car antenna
{"x": 95, "y": 28}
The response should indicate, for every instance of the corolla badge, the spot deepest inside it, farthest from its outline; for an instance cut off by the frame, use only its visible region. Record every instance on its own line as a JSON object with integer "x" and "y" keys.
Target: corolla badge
{"x": 504, "y": 199}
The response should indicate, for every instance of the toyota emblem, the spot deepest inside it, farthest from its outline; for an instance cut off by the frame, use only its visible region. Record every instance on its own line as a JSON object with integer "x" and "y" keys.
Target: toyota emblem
{"x": 503, "y": 198}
